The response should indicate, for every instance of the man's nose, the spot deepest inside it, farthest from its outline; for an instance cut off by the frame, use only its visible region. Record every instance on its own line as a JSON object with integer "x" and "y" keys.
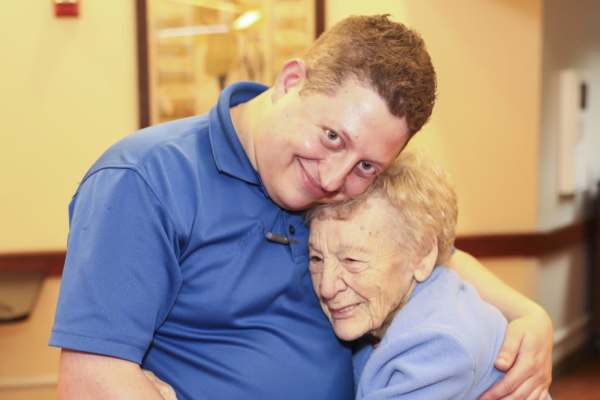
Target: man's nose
{"x": 331, "y": 282}
{"x": 334, "y": 171}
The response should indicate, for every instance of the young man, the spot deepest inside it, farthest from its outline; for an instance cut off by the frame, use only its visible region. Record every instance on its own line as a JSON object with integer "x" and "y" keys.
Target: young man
{"x": 187, "y": 249}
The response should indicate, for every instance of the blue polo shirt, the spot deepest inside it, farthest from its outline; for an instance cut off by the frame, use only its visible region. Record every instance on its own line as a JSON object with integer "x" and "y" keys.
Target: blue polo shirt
{"x": 168, "y": 266}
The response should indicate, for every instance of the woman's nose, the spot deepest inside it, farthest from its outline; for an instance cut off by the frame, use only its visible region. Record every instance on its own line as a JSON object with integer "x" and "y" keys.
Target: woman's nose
{"x": 331, "y": 283}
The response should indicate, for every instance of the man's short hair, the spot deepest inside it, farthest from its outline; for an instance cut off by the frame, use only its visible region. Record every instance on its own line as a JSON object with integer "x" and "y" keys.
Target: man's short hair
{"x": 425, "y": 204}
{"x": 386, "y": 55}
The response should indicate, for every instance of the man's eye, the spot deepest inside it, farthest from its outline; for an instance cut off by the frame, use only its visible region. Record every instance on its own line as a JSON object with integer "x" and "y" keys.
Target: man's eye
{"x": 367, "y": 168}
{"x": 332, "y": 136}
{"x": 315, "y": 259}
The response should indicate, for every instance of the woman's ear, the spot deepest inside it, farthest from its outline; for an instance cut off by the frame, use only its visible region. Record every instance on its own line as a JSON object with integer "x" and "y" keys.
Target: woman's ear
{"x": 291, "y": 76}
{"x": 425, "y": 266}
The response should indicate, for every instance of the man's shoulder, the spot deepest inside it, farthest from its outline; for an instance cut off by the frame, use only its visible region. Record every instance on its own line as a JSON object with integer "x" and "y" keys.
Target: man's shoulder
{"x": 162, "y": 143}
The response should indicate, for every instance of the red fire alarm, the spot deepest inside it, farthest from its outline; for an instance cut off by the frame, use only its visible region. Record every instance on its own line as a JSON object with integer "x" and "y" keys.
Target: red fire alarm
{"x": 66, "y": 8}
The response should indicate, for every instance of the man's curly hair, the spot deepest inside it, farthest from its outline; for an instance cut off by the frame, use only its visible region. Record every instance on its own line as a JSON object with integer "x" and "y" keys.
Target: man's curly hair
{"x": 386, "y": 55}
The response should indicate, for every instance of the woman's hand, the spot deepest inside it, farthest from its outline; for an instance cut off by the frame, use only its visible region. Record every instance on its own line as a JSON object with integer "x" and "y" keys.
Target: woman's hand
{"x": 526, "y": 356}
{"x": 166, "y": 391}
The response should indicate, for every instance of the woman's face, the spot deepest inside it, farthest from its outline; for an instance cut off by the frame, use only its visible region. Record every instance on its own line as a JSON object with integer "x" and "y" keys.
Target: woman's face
{"x": 358, "y": 269}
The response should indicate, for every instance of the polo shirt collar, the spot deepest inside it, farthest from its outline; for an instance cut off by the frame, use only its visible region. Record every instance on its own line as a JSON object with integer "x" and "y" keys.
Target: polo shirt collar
{"x": 227, "y": 149}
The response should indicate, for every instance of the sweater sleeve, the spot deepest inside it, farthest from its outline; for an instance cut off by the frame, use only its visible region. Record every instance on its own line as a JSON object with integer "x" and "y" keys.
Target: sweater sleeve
{"x": 418, "y": 365}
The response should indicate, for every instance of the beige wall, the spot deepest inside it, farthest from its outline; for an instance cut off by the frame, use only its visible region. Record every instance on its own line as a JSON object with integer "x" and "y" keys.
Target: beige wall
{"x": 68, "y": 91}
{"x": 485, "y": 123}
{"x": 572, "y": 40}
{"x": 28, "y": 367}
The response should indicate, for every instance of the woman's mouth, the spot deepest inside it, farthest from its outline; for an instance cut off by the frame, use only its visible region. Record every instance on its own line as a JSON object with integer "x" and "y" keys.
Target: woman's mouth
{"x": 343, "y": 312}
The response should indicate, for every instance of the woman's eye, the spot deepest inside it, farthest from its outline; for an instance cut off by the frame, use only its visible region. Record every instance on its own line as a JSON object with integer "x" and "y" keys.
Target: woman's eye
{"x": 354, "y": 265}
{"x": 315, "y": 259}
{"x": 315, "y": 266}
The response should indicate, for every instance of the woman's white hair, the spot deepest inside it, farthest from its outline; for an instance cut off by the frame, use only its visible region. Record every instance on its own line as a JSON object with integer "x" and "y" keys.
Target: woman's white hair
{"x": 424, "y": 200}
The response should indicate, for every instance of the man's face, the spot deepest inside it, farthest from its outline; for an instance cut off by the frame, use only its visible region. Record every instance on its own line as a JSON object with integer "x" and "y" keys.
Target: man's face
{"x": 359, "y": 271}
{"x": 320, "y": 149}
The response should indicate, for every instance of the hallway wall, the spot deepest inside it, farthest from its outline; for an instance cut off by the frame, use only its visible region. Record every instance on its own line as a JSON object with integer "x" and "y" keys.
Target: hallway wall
{"x": 494, "y": 128}
{"x": 69, "y": 89}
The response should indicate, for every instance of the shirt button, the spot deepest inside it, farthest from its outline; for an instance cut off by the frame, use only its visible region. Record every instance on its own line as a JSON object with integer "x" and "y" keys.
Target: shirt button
{"x": 291, "y": 230}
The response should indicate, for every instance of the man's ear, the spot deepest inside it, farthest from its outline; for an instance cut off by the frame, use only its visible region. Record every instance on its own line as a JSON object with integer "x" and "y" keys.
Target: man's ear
{"x": 424, "y": 267}
{"x": 291, "y": 76}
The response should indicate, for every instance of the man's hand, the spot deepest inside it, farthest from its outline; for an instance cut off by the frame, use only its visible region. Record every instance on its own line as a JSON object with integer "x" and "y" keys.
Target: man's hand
{"x": 526, "y": 355}
{"x": 166, "y": 391}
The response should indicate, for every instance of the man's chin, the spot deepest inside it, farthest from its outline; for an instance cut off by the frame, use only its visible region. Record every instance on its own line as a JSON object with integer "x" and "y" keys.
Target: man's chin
{"x": 303, "y": 203}
{"x": 295, "y": 205}
{"x": 338, "y": 198}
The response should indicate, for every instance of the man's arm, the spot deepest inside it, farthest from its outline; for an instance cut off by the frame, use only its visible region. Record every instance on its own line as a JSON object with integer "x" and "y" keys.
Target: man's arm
{"x": 493, "y": 290}
{"x": 527, "y": 350}
{"x": 91, "y": 376}
{"x": 121, "y": 277}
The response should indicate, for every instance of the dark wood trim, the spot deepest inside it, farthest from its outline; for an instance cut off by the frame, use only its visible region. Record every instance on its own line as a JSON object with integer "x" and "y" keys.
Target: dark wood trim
{"x": 527, "y": 244}
{"x": 594, "y": 283}
{"x": 570, "y": 362}
{"x": 48, "y": 262}
{"x": 142, "y": 60}
{"x": 534, "y": 244}
{"x": 319, "y": 17}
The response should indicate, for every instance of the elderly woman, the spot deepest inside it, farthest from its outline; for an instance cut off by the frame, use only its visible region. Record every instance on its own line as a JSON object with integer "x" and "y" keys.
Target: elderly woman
{"x": 377, "y": 265}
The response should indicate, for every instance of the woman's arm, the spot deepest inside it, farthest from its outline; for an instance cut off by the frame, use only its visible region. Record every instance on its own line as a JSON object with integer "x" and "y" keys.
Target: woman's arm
{"x": 527, "y": 350}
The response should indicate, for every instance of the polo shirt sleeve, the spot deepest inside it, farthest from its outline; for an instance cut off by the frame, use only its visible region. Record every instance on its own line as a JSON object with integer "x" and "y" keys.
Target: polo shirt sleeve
{"x": 418, "y": 366}
{"x": 121, "y": 273}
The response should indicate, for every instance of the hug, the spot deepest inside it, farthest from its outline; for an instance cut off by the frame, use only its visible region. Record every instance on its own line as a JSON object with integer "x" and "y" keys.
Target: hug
{"x": 377, "y": 264}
